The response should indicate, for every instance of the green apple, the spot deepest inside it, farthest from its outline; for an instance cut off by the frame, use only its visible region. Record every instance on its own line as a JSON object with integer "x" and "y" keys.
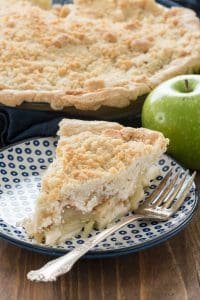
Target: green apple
{"x": 174, "y": 109}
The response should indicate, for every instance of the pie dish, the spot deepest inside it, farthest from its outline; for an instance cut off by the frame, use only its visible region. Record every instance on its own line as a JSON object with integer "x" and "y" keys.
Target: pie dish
{"x": 93, "y": 53}
{"x": 99, "y": 174}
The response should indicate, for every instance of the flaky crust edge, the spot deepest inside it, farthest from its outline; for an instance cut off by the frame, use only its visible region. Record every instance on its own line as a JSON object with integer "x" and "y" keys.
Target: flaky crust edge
{"x": 113, "y": 97}
{"x": 71, "y": 127}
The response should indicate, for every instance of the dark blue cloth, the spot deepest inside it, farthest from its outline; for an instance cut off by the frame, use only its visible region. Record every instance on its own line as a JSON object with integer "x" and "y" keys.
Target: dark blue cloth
{"x": 193, "y": 4}
{"x": 17, "y": 124}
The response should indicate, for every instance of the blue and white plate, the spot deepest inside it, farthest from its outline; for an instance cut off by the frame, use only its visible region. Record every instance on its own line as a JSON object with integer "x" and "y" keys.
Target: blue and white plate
{"x": 21, "y": 168}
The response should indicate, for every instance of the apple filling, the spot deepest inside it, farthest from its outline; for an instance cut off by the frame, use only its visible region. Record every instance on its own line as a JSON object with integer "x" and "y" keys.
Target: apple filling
{"x": 72, "y": 221}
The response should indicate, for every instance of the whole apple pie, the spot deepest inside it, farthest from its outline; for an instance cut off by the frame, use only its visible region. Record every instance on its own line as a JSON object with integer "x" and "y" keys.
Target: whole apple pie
{"x": 93, "y": 53}
{"x": 98, "y": 174}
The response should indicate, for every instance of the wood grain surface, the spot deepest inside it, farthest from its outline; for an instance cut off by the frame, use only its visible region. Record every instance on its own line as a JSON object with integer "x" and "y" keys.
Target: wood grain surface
{"x": 168, "y": 271}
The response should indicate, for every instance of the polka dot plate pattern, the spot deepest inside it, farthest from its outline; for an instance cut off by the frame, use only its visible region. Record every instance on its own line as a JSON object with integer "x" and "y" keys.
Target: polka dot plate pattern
{"x": 21, "y": 168}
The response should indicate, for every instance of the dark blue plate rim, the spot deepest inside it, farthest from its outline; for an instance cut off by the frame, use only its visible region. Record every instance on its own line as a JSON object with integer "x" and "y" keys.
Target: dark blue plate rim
{"x": 107, "y": 253}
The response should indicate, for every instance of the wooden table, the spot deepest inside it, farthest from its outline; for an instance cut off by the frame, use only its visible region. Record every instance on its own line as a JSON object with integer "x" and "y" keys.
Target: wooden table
{"x": 168, "y": 271}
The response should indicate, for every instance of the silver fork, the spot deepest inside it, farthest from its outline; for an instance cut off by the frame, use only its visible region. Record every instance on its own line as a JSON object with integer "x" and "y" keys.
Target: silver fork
{"x": 160, "y": 206}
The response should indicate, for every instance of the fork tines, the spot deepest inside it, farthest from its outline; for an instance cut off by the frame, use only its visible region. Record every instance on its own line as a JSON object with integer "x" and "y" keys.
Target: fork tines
{"x": 172, "y": 191}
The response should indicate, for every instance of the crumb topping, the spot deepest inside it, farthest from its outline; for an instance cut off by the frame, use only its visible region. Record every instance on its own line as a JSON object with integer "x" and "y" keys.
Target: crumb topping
{"x": 88, "y": 155}
{"x": 64, "y": 48}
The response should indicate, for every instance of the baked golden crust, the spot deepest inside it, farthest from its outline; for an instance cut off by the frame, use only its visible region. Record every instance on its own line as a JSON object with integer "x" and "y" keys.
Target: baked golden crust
{"x": 93, "y": 53}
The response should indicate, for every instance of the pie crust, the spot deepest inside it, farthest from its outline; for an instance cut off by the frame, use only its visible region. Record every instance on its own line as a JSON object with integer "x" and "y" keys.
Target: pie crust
{"x": 99, "y": 173}
{"x": 93, "y": 53}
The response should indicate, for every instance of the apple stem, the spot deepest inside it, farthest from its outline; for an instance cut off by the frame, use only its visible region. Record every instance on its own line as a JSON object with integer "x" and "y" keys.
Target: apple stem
{"x": 187, "y": 85}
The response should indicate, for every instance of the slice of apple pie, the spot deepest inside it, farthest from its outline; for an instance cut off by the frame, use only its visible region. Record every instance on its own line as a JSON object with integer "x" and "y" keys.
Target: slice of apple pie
{"x": 99, "y": 174}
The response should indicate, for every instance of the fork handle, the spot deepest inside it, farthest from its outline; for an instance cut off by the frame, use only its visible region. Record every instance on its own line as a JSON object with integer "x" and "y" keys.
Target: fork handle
{"x": 63, "y": 264}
